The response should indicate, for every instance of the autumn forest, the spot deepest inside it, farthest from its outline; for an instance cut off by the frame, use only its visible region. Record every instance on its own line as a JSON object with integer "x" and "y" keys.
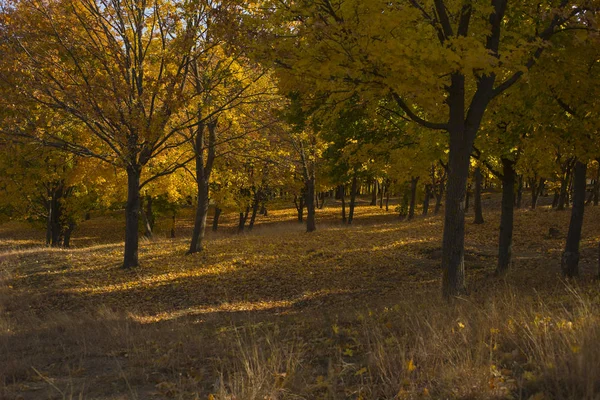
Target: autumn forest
{"x": 299, "y": 199}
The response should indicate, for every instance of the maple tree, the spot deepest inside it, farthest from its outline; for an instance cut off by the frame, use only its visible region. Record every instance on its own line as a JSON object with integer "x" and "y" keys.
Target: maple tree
{"x": 115, "y": 66}
{"x": 445, "y": 62}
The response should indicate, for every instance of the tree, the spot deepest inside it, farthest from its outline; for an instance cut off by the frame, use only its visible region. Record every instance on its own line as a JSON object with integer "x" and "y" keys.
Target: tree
{"x": 116, "y": 66}
{"x": 461, "y": 56}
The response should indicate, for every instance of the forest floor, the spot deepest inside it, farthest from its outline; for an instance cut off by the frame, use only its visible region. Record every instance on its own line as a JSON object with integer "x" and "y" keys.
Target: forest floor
{"x": 346, "y": 312}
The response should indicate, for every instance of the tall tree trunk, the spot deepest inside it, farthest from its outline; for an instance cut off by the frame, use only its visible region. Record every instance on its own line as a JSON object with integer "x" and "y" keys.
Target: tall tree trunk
{"x": 413, "y": 197}
{"x": 555, "y": 198}
{"x": 243, "y": 219}
{"x": 342, "y": 197}
{"x": 353, "y": 191}
{"x": 382, "y": 189}
{"x": 439, "y": 193}
{"x": 173, "y": 226}
{"x": 66, "y": 234}
{"x": 132, "y": 212}
{"x": 215, "y": 223}
{"x": 468, "y": 198}
{"x": 477, "y": 205}
{"x": 299, "y": 203}
{"x": 387, "y": 195}
{"x": 563, "y": 198}
{"x": 507, "y": 216}
{"x": 426, "y": 200}
{"x": 255, "y": 205}
{"x": 453, "y": 243}
{"x": 311, "y": 224}
{"x": 374, "y": 193}
{"x": 570, "y": 257}
{"x": 519, "y": 199}
{"x": 597, "y": 184}
{"x": 534, "y": 192}
{"x": 49, "y": 209}
{"x": 200, "y": 219}
{"x": 147, "y": 216}
{"x": 203, "y": 173}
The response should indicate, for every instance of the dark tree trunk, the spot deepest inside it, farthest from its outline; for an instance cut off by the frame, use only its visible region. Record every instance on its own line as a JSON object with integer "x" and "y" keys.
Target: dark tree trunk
{"x": 535, "y": 192}
{"x": 322, "y": 201}
{"x": 477, "y": 197}
{"x": 311, "y": 224}
{"x": 173, "y": 226}
{"x": 413, "y": 197}
{"x": 215, "y": 223}
{"x": 132, "y": 212}
{"x": 519, "y": 200}
{"x": 382, "y": 189}
{"x": 200, "y": 219}
{"x": 353, "y": 191}
{"x": 299, "y": 203}
{"x": 255, "y": 205}
{"x": 387, "y": 196}
{"x": 243, "y": 219}
{"x": 570, "y": 257}
{"x": 49, "y": 208}
{"x": 147, "y": 217}
{"x": 66, "y": 234}
{"x": 555, "y": 198}
{"x": 507, "y": 216}
{"x": 439, "y": 194}
{"x": 563, "y": 198}
{"x": 203, "y": 173}
{"x": 597, "y": 184}
{"x": 342, "y": 196}
{"x": 374, "y": 193}
{"x": 426, "y": 200}
{"x": 453, "y": 265}
{"x": 468, "y": 199}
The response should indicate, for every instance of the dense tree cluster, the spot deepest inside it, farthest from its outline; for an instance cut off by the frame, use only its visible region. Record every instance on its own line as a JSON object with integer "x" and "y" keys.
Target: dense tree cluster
{"x": 227, "y": 105}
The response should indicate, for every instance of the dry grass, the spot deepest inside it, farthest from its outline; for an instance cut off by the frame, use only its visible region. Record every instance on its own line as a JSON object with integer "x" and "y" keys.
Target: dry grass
{"x": 346, "y": 312}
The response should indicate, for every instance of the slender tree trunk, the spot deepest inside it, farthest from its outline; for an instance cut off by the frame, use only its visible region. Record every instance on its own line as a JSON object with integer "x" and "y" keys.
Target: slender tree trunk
{"x": 439, "y": 194}
{"x": 477, "y": 205}
{"x": 468, "y": 198}
{"x": 555, "y": 198}
{"x": 413, "y": 197}
{"x": 519, "y": 200}
{"x": 173, "y": 226}
{"x": 563, "y": 199}
{"x": 215, "y": 223}
{"x": 255, "y": 205}
{"x": 132, "y": 212}
{"x": 147, "y": 216}
{"x": 570, "y": 257}
{"x": 382, "y": 189}
{"x": 200, "y": 219}
{"x": 299, "y": 203}
{"x": 66, "y": 234}
{"x": 534, "y": 192}
{"x": 597, "y": 184}
{"x": 374, "y": 193}
{"x": 387, "y": 196}
{"x": 507, "y": 216}
{"x": 203, "y": 173}
{"x": 311, "y": 225}
{"x": 353, "y": 190}
{"x": 426, "y": 200}
{"x": 49, "y": 209}
{"x": 342, "y": 197}
{"x": 243, "y": 219}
